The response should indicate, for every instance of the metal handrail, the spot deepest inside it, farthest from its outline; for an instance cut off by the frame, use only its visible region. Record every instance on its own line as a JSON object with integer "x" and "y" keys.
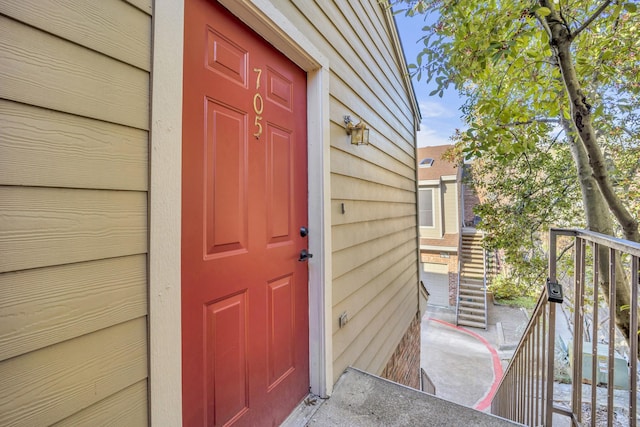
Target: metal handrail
{"x": 523, "y": 394}
{"x": 458, "y": 287}
{"x": 426, "y": 384}
{"x": 484, "y": 281}
{"x": 526, "y": 392}
{"x": 459, "y": 269}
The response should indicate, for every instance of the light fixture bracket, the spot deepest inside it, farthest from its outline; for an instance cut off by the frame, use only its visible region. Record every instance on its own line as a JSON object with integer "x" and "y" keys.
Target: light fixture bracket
{"x": 359, "y": 132}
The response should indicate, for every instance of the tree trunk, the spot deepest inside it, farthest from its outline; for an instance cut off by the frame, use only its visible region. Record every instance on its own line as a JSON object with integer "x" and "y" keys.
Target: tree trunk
{"x": 598, "y": 220}
{"x": 560, "y": 41}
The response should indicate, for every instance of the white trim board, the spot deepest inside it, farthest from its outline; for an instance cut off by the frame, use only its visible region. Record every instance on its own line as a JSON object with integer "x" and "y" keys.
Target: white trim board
{"x": 165, "y": 197}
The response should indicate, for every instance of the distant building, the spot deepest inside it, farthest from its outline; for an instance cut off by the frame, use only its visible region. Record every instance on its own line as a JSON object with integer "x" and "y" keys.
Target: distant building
{"x": 440, "y": 217}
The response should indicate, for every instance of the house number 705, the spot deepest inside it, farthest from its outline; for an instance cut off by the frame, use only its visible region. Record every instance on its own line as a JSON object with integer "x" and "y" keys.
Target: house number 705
{"x": 258, "y": 105}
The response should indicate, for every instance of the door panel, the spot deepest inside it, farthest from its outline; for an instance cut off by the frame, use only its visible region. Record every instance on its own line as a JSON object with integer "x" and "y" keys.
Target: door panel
{"x": 226, "y": 180}
{"x": 244, "y": 185}
{"x": 226, "y": 371}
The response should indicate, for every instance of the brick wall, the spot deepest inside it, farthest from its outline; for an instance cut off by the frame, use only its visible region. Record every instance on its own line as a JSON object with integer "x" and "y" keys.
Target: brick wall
{"x": 404, "y": 365}
{"x": 470, "y": 200}
{"x": 452, "y": 262}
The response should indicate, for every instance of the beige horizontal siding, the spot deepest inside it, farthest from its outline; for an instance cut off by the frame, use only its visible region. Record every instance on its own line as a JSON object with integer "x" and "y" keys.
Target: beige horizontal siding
{"x": 74, "y": 108}
{"x": 125, "y": 408}
{"x": 376, "y": 26}
{"x": 348, "y": 29}
{"x": 375, "y": 153}
{"x": 40, "y": 69}
{"x": 373, "y": 361}
{"x": 354, "y": 256}
{"x": 353, "y": 234}
{"x": 50, "y": 226}
{"x": 144, "y": 5}
{"x": 48, "y": 385}
{"x": 40, "y": 307}
{"x": 379, "y": 117}
{"x": 377, "y": 334}
{"x": 110, "y": 27}
{"x": 360, "y": 297}
{"x": 350, "y": 164}
{"x": 40, "y": 147}
{"x": 361, "y": 90}
{"x": 350, "y": 188}
{"x": 364, "y": 274}
{"x": 364, "y": 210}
{"x": 450, "y": 208}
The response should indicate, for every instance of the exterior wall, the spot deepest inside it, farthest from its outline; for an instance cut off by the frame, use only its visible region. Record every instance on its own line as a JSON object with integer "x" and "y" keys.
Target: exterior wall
{"x": 373, "y": 187}
{"x": 434, "y": 232}
{"x": 470, "y": 200}
{"x": 452, "y": 262}
{"x": 450, "y": 207}
{"x": 74, "y": 108}
{"x": 404, "y": 365}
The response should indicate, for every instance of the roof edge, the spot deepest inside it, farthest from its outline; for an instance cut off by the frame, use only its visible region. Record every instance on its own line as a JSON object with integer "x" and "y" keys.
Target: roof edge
{"x": 397, "y": 44}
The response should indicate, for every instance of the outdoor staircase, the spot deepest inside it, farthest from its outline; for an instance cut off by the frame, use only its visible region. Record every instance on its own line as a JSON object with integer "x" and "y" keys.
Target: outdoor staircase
{"x": 472, "y": 300}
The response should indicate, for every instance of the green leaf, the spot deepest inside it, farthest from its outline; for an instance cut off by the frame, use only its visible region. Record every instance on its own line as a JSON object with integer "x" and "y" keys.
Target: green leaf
{"x": 543, "y": 11}
{"x": 544, "y": 37}
{"x": 630, "y": 7}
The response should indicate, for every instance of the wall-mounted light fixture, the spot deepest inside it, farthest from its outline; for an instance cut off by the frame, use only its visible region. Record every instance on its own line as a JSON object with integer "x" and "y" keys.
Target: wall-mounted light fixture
{"x": 359, "y": 132}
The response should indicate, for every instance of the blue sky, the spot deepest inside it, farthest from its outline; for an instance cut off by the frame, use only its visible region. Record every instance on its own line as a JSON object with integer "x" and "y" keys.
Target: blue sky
{"x": 440, "y": 116}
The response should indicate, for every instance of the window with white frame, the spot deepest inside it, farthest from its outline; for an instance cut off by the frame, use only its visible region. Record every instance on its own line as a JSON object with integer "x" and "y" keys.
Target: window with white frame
{"x": 425, "y": 207}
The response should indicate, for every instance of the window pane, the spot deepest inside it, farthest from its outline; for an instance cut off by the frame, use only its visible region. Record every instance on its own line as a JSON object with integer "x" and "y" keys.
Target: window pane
{"x": 425, "y": 202}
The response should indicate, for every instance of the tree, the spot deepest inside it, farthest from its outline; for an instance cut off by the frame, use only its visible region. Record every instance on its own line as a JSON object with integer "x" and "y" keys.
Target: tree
{"x": 529, "y": 67}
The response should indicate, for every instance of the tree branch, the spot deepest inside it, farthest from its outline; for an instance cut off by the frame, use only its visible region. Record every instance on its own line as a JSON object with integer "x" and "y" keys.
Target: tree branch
{"x": 586, "y": 23}
{"x": 582, "y": 120}
{"x": 529, "y": 122}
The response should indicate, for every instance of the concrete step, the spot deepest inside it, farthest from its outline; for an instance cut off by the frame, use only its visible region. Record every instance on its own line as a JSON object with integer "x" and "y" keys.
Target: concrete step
{"x": 463, "y": 322}
{"x": 471, "y": 244}
{"x": 472, "y": 304}
{"x": 362, "y": 399}
{"x": 464, "y": 309}
{"x": 471, "y": 317}
{"x": 472, "y": 270}
{"x": 476, "y": 287}
{"x": 471, "y": 249}
{"x": 471, "y": 296}
{"x": 472, "y": 286}
{"x": 471, "y": 255}
{"x": 471, "y": 278}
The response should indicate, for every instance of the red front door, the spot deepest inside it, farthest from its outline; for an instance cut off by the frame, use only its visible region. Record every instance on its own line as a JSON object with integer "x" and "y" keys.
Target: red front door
{"x": 244, "y": 199}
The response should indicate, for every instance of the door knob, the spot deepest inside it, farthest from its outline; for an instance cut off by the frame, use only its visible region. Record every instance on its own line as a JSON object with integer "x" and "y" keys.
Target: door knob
{"x": 304, "y": 255}
{"x": 304, "y": 231}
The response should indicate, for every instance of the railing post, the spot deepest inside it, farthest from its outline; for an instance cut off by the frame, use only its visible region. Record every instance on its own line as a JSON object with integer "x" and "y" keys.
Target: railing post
{"x": 594, "y": 329}
{"x": 551, "y": 337}
{"x": 612, "y": 334}
{"x": 578, "y": 327}
{"x": 633, "y": 350}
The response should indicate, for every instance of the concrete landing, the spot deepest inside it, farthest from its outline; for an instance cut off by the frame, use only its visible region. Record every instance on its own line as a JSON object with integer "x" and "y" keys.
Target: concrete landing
{"x": 362, "y": 399}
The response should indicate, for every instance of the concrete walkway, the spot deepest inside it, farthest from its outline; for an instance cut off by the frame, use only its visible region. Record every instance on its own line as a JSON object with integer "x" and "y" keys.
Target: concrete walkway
{"x": 364, "y": 400}
{"x": 466, "y": 364}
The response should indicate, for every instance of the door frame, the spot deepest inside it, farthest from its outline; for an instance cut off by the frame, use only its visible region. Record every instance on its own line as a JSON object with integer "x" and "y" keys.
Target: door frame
{"x": 165, "y": 339}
